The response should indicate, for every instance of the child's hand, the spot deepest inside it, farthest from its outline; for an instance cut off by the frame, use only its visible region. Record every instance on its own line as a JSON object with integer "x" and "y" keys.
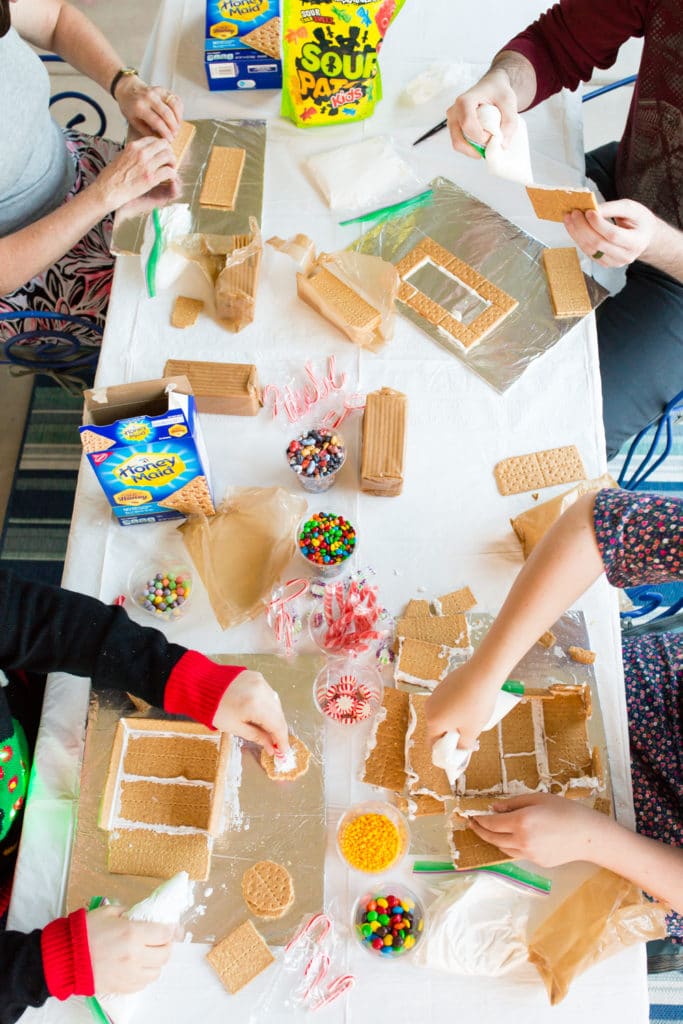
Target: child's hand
{"x": 463, "y": 701}
{"x": 548, "y": 830}
{"x": 126, "y": 955}
{"x": 251, "y": 708}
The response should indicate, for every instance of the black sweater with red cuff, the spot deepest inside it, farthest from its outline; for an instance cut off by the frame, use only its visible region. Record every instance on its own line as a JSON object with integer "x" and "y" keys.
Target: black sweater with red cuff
{"x": 45, "y": 629}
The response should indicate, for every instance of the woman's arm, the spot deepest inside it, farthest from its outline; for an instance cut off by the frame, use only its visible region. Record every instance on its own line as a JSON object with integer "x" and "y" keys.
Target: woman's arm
{"x": 552, "y": 830}
{"x": 57, "y": 26}
{"x": 559, "y": 569}
{"x": 145, "y": 167}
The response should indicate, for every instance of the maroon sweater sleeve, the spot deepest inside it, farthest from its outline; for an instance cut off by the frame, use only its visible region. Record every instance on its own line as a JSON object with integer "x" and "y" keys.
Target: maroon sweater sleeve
{"x": 574, "y": 37}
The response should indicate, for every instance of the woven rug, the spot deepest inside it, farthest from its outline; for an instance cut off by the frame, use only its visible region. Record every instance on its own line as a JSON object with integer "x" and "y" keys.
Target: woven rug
{"x": 39, "y": 510}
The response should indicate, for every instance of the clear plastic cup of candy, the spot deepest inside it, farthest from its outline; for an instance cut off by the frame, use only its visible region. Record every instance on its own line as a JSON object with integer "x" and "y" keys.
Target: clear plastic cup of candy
{"x": 347, "y": 693}
{"x": 373, "y": 837}
{"x": 162, "y": 588}
{"x": 316, "y": 457}
{"x": 389, "y": 920}
{"x": 326, "y": 541}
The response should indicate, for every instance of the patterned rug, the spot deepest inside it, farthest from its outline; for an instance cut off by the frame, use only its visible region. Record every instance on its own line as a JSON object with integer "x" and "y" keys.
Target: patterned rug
{"x": 36, "y": 528}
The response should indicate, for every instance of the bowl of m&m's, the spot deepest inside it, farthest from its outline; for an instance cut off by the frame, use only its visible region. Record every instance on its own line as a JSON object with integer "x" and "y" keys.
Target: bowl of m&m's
{"x": 389, "y": 920}
{"x": 162, "y": 588}
{"x": 316, "y": 457}
{"x": 373, "y": 837}
{"x": 326, "y": 541}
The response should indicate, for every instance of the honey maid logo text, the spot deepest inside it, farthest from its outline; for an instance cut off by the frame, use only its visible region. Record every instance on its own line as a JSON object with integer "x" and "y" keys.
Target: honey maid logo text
{"x": 150, "y": 469}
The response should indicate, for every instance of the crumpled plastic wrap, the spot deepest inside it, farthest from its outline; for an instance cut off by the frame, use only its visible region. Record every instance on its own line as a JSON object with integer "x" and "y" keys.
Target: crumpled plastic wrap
{"x": 373, "y": 278}
{"x": 496, "y": 249}
{"x": 602, "y": 917}
{"x": 477, "y": 926}
{"x": 242, "y": 552}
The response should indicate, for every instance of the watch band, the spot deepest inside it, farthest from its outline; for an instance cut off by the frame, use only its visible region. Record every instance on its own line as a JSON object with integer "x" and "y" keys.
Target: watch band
{"x": 121, "y": 73}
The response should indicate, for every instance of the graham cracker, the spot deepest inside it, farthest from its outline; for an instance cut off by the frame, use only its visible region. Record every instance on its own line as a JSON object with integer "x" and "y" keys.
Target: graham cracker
{"x": 268, "y": 889}
{"x": 484, "y": 772}
{"x": 265, "y": 38}
{"x": 182, "y": 140}
{"x": 144, "y": 851}
{"x": 469, "y": 851}
{"x": 423, "y": 775}
{"x": 162, "y": 803}
{"x": 222, "y": 178}
{"x": 192, "y": 499}
{"x": 566, "y": 283}
{"x": 384, "y": 443}
{"x": 539, "y": 469}
{"x": 564, "y": 721}
{"x": 517, "y": 730}
{"x": 302, "y": 755}
{"x": 235, "y": 288}
{"x": 448, "y": 630}
{"x": 185, "y": 311}
{"x": 457, "y": 601}
{"x": 521, "y": 768}
{"x": 230, "y": 389}
{"x": 170, "y": 757}
{"x": 385, "y": 762}
{"x": 551, "y": 203}
{"x": 547, "y": 640}
{"x": 93, "y": 442}
{"x": 581, "y": 655}
{"x": 406, "y": 291}
{"x": 416, "y": 607}
{"x": 420, "y": 805}
{"x": 324, "y": 290}
{"x": 421, "y": 662}
{"x": 240, "y": 957}
{"x": 500, "y": 304}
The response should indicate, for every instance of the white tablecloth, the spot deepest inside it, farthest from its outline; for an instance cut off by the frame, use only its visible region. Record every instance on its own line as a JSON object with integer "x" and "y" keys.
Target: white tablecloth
{"x": 450, "y": 527}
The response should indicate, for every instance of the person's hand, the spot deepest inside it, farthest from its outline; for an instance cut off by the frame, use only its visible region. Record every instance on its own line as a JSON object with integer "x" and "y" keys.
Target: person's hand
{"x": 463, "y": 701}
{"x": 613, "y": 244}
{"x": 146, "y": 167}
{"x": 126, "y": 955}
{"x": 495, "y": 89}
{"x": 548, "y": 830}
{"x": 251, "y": 708}
{"x": 151, "y": 110}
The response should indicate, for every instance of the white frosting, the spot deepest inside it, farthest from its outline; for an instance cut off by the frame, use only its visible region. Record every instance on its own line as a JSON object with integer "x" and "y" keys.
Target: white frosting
{"x": 514, "y": 160}
{"x": 448, "y": 755}
{"x": 285, "y": 762}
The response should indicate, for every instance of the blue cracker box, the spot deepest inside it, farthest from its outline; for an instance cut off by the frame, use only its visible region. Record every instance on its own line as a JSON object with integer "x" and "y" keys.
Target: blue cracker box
{"x": 145, "y": 445}
{"x": 242, "y": 48}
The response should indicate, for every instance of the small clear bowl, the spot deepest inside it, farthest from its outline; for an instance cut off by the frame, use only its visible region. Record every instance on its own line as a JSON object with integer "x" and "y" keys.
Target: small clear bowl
{"x": 154, "y": 587}
{"x": 347, "y": 693}
{"x": 390, "y": 931}
{"x": 317, "y": 629}
{"x": 322, "y": 482}
{"x": 359, "y": 837}
{"x": 325, "y": 569}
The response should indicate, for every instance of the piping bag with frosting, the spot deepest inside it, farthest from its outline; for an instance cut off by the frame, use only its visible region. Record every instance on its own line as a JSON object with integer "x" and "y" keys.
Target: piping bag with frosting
{"x": 513, "y": 161}
{"x": 453, "y": 759}
{"x": 166, "y": 905}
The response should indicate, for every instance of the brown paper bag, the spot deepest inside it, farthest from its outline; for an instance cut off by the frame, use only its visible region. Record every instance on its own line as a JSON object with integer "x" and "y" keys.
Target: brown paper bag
{"x": 532, "y": 524}
{"x": 242, "y": 551}
{"x": 605, "y": 914}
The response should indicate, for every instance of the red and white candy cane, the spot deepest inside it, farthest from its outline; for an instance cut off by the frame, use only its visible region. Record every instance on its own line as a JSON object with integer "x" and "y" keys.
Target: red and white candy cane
{"x": 315, "y": 930}
{"x": 279, "y": 615}
{"x": 315, "y": 972}
{"x": 335, "y": 989}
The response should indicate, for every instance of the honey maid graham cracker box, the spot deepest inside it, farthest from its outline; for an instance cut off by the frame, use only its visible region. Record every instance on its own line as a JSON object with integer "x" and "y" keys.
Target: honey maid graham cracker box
{"x": 144, "y": 443}
{"x": 242, "y": 48}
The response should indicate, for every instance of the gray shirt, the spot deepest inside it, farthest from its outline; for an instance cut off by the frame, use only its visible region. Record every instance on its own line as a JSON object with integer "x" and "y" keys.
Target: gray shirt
{"x": 36, "y": 170}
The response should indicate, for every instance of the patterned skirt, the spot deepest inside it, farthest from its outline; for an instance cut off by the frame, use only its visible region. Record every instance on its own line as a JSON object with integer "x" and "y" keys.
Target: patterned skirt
{"x": 80, "y": 282}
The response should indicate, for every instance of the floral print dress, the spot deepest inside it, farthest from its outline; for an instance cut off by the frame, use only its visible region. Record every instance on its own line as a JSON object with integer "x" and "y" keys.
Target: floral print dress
{"x": 640, "y": 537}
{"x": 80, "y": 282}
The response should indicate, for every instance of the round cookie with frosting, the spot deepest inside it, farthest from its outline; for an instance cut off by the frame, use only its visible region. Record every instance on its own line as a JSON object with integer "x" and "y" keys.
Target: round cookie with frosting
{"x": 290, "y": 766}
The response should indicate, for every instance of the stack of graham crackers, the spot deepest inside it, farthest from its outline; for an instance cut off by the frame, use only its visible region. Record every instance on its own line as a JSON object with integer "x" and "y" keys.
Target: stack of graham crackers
{"x": 163, "y": 797}
{"x": 384, "y": 443}
{"x": 229, "y": 389}
{"x": 425, "y": 642}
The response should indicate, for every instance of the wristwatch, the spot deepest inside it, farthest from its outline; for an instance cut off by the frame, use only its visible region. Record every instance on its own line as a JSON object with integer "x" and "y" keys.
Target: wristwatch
{"x": 121, "y": 73}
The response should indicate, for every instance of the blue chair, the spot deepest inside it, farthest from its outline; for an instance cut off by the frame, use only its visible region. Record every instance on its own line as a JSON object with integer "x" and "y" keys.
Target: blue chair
{"x": 79, "y": 118}
{"x": 56, "y": 353}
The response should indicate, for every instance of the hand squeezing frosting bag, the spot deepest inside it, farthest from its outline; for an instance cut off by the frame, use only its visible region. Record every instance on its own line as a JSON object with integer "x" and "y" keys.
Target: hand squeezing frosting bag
{"x": 330, "y": 58}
